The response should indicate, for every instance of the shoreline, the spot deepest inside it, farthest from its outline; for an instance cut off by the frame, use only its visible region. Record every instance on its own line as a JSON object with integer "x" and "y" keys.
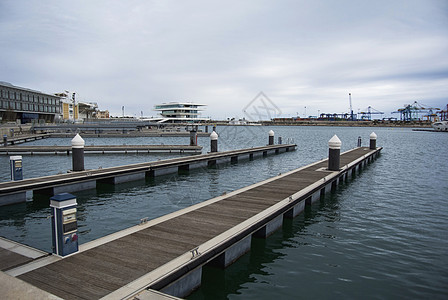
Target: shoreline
{"x": 12, "y": 130}
{"x": 374, "y": 123}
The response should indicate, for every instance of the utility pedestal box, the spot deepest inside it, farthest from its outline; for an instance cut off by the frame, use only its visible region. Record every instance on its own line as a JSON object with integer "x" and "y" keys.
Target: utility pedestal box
{"x": 64, "y": 224}
{"x": 16, "y": 167}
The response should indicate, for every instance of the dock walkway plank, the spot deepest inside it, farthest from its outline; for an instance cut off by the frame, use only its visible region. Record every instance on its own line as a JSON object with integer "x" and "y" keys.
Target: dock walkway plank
{"x": 125, "y": 259}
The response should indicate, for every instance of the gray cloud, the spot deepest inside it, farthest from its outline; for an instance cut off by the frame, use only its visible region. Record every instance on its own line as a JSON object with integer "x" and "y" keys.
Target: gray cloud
{"x": 300, "y": 53}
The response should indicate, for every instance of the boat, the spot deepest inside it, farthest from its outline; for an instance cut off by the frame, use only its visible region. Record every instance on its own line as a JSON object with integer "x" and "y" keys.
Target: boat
{"x": 440, "y": 126}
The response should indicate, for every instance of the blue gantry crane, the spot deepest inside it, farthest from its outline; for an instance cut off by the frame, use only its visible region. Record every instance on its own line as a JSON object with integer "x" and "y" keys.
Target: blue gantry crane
{"x": 416, "y": 112}
{"x": 367, "y": 113}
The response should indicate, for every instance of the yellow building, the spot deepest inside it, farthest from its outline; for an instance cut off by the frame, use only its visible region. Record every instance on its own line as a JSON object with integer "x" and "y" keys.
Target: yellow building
{"x": 102, "y": 114}
{"x": 69, "y": 112}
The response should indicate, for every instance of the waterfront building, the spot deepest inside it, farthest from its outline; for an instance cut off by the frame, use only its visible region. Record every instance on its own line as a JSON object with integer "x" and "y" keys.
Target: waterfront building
{"x": 87, "y": 110}
{"x": 26, "y": 105}
{"x": 179, "y": 112}
{"x": 70, "y": 109}
{"x": 102, "y": 114}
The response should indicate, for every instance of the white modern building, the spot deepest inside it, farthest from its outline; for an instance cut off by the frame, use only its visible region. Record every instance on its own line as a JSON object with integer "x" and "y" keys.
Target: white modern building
{"x": 179, "y": 112}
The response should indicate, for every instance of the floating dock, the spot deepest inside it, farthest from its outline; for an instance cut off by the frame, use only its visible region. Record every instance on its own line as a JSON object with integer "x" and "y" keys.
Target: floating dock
{"x": 167, "y": 254}
{"x": 15, "y": 191}
{"x": 20, "y": 139}
{"x": 155, "y": 133}
{"x": 31, "y": 150}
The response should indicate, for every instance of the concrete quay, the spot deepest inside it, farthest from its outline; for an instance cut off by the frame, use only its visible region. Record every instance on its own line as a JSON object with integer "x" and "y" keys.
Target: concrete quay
{"x": 15, "y": 191}
{"x": 167, "y": 254}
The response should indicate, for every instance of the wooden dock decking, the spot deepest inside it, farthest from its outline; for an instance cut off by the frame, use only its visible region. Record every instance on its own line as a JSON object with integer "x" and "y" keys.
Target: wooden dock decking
{"x": 100, "y": 149}
{"x": 155, "y": 254}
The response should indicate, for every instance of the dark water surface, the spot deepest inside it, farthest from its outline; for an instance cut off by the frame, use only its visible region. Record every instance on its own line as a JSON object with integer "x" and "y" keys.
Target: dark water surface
{"x": 381, "y": 235}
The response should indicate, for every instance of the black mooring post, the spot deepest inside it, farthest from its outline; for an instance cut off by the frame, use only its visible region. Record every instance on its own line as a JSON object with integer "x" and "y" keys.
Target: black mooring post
{"x": 78, "y": 153}
{"x": 334, "y": 154}
{"x": 213, "y": 142}
{"x": 373, "y": 141}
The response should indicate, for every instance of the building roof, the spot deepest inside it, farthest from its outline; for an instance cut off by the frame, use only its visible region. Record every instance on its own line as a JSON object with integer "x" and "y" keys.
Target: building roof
{"x": 7, "y": 84}
{"x": 182, "y": 103}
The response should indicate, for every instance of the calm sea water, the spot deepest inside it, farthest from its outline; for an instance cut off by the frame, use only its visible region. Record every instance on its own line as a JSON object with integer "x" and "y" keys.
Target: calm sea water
{"x": 381, "y": 235}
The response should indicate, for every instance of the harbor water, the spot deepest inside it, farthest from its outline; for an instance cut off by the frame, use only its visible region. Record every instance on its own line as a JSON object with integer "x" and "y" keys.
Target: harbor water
{"x": 381, "y": 235}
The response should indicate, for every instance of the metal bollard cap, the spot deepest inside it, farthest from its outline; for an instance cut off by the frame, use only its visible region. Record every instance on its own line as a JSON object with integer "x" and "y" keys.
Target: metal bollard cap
{"x": 373, "y": 136}
{"x": 213, "y": 136}
{"x": 271, "y": 133}
{"x": 78, "y": 142}
{"x": 334, "y": 142}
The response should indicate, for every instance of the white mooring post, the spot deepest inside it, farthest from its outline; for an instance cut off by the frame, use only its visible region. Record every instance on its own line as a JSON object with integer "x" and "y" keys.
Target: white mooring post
{"x": 334, "y": 154}
{"x": 271, "y": 137}
{"x": 213, "y": 142}
{"x": 373, "y": 141}
{"x": 78, "y": 153}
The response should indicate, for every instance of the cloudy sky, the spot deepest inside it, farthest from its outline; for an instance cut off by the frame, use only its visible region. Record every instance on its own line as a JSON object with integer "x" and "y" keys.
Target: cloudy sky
{"x": 306, "y": 56}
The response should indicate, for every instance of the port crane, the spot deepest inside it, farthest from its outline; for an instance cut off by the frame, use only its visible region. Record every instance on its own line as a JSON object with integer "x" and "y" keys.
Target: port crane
{"x": 351, "y": 108}
{"x": 443, "y": 114}
{"x": 411, "y": 112}
{"x": 367, "y": 113}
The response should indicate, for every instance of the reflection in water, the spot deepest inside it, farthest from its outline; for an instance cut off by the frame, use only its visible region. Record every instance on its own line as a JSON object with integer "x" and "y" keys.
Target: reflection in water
{"x": 222, "y": 283}
{"x": 382, "y": 234}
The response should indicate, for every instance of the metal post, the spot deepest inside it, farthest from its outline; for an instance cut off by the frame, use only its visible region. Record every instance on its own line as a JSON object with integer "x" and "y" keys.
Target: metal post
{"x": 5, "y": 140}
{"x": 359, "y": 141}
{"x": 271, "y": 137}
{"x": 373, "y": 137}
{"x": 193, "y": 138}
{"x": 334, "y": 154}
{"x": 213, "y": 142}
{"x": 78, "y": 153}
